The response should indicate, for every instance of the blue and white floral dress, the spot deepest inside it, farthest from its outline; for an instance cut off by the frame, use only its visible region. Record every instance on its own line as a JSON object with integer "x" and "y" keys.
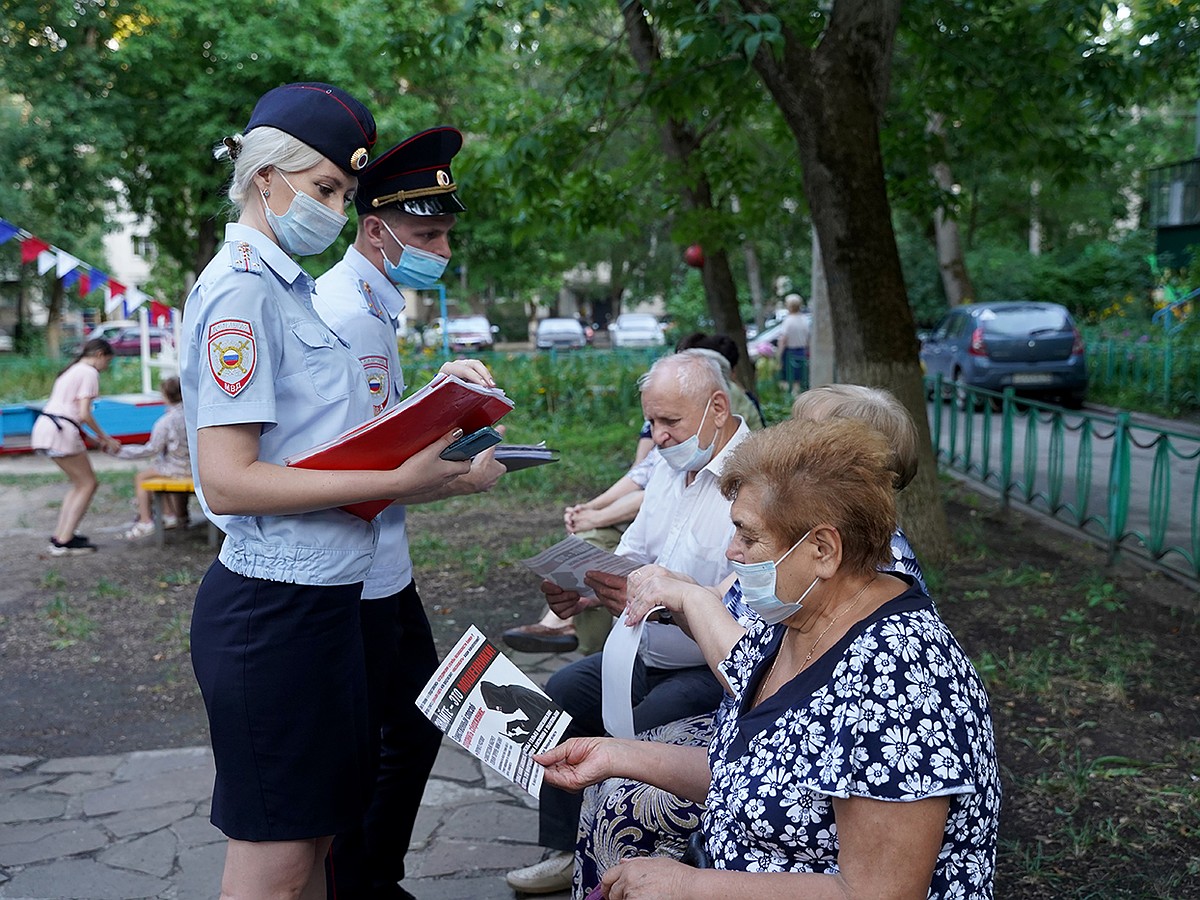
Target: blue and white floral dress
{"x": 894, "y": 712}
{"x": 622, "y": 817}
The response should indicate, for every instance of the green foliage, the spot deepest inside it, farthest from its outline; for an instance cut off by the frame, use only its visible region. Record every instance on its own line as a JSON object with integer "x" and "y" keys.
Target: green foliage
{"x": 1087, "y": 282}
{"x": 67, "y": 624}
{"x": 31, "y": 377}
{"x": 1100, "y": 593}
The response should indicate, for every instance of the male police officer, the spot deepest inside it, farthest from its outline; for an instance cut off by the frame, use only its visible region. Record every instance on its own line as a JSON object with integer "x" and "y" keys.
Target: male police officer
{"x": 406, "y": 204}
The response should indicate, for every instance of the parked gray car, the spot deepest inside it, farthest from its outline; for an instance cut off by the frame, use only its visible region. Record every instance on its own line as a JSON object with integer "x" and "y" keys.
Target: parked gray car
{"x": 1032, "y": 347}
{"x": 560, "y": 334}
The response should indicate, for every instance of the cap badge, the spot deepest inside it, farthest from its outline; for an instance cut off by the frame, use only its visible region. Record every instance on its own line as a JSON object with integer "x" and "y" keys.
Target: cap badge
{"x": 443, "y": 178}
{"x": 358, "y": 159}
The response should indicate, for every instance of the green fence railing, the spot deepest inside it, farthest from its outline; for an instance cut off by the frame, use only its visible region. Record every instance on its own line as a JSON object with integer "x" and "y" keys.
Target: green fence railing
{"x": 1165, "y": 371}
{"x": 1132, "y": 486}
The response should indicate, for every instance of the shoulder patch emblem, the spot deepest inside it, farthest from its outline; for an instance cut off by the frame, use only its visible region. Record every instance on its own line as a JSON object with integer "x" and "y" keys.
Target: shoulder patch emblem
{"x": 232, "y": 354}
{"x": 378, "y": 382}
{"x": 244, "y": 258}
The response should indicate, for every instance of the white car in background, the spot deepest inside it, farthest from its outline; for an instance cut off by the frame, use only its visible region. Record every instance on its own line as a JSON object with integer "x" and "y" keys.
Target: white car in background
{"x": 636, "y": 330}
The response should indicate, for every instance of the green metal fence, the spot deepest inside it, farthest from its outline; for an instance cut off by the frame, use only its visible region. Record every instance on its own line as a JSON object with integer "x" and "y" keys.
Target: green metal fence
{"x": 1132, "y": 486}
{"x": 1162, "y": 371}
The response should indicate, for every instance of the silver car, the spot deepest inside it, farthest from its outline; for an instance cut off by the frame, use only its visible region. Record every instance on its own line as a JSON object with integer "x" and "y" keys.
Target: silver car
{"x": 560, "y": 334}
{"x": 636, "y": 330}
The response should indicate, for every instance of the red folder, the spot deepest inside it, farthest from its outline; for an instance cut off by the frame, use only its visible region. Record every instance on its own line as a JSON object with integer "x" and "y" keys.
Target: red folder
{"x": 388, "y": 440}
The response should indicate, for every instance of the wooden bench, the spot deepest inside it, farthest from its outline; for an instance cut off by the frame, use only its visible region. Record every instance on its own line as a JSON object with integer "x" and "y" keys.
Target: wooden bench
{"x": 159, "y": 486}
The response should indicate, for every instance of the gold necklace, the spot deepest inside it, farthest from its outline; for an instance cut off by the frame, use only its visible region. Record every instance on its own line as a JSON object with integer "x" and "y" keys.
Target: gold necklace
{"x": 857, "y": 597}
{"x": 811, "y": 650}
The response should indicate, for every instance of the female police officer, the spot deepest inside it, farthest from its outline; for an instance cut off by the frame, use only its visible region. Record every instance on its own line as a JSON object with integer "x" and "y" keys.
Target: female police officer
{"x": 275, "y": 636}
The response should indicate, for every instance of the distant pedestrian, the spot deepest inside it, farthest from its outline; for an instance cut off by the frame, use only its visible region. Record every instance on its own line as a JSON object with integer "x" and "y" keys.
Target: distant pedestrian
{"x": 793, "y": 344}
{"x": 58, "y": 433}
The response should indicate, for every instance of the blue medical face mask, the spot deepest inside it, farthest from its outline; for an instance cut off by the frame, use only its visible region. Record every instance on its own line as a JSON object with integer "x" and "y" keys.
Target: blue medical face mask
{"x": 417, "y": 268}
{"x": 308, "y": 227}
{"x": 687, "y": 456}
{"x": 758, "y": 588}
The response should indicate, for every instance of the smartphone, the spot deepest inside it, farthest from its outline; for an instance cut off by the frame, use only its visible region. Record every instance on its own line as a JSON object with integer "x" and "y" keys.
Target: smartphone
{"x": 470, "y": 445}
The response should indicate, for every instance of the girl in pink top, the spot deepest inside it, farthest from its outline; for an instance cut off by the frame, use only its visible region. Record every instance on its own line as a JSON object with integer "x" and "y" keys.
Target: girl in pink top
{"x": 58, "y": 433}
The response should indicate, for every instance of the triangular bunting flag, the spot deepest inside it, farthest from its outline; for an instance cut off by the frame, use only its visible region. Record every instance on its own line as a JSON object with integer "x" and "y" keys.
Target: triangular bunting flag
{"x": 98, "y": 279}
{"x": 8, "y": 231}
{"x": 85, "y": 283}
{"x": 47, "y": 260}
{"x": 70, "y": 278}
{"x": 31, "y": 247}
{"x": 66, "y": 264}
{"x": 135, "y": 298}
{"x": 112, "y": 299}
{"x": 115, "y": 288}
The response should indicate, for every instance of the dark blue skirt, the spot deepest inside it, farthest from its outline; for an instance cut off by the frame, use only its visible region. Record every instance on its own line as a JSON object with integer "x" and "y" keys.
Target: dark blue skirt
{"x": 281, "y": 670}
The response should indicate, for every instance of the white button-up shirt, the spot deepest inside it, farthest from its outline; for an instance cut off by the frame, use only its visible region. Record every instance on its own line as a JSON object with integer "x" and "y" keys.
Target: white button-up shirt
{"x": 686, "y": 528}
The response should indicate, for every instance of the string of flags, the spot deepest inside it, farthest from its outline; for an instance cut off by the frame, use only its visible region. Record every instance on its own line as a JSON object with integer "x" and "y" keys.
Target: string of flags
{"x": 72, "y": 271}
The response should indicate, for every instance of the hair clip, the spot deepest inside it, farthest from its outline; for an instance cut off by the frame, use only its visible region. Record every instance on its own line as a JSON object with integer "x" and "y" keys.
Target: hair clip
{"x": 233, "y": 146}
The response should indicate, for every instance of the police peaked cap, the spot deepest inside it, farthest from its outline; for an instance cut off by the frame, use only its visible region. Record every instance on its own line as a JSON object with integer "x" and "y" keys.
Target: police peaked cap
{"x": 414, "y": 176}
{"x": 324, "y": 117}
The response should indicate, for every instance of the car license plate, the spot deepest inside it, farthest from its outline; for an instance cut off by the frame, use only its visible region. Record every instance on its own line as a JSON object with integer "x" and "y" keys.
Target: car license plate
{"x": 1032, "y": 378}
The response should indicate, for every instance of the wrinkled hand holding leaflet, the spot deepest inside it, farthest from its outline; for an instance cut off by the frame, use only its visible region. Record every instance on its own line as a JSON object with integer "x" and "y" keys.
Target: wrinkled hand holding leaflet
{"x": 569, "y": 560}
{"x": 488, "y": 706}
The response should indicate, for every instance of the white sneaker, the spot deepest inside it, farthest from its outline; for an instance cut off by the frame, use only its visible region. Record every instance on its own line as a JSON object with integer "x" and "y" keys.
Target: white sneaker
{"x": 552, "y": 874}
{"x": 139, "y": 530}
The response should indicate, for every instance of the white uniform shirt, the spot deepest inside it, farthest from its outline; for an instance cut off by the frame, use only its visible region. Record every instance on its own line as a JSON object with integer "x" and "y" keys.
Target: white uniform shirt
{"x": 255, "y": 352}
{"x": 363, "y": 307}
{"x": 686, "y": 528}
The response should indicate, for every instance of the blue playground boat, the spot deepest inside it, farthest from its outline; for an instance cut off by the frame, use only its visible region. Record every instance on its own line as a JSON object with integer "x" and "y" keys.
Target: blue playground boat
{"x": 127, "y": 417}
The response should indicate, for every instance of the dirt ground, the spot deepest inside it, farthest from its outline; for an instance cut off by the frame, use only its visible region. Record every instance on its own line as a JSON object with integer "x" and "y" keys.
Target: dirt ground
{"x": 1095, "y": 688}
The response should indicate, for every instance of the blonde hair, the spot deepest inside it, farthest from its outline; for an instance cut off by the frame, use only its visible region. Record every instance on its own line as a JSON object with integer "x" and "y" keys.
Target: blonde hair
{"x": 259, "y": 149}
{"x": 836, "y": 472}
{"x": 878, "y": 408}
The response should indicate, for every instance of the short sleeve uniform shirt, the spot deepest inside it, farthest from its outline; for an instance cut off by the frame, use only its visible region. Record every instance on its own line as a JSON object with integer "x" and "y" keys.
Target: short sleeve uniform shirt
{"x": 255, "y": 352}
{"x": 358, "y": 302}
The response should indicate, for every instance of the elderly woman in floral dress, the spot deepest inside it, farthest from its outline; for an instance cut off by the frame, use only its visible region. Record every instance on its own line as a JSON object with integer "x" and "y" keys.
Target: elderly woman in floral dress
{"x": 856, "y": 755}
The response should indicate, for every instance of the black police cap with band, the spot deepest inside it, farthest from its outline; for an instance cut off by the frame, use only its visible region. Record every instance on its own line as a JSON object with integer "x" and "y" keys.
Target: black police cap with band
{"x": 414, "y": 176}
{"x": 324, "y": 117}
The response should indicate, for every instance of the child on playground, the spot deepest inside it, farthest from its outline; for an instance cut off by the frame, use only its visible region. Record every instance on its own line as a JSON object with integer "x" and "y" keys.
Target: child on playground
{"x": 168, "y": 444}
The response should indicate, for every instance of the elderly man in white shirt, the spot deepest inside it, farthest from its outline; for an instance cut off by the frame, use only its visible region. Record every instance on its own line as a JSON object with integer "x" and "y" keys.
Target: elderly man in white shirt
{"x": 683, "y": 525}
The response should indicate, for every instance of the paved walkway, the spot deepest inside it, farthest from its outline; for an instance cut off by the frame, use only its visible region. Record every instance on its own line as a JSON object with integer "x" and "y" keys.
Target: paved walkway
{"x": 136, "y": 826}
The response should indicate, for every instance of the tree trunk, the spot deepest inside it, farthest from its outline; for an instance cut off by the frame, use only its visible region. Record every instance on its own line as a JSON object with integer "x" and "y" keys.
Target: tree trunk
{"x": 1035, "y": 218}
{"x": 832, "y": 98}
{"x": 956, "y": 280}
{"x": 681, "y": 143}
{"x": 754, "y": 277}
{"x": 821, "y": 356}
{"x": 54, "y": 318}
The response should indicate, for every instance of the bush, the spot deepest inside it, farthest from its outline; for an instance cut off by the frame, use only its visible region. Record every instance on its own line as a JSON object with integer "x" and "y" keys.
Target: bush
{"x": 1088, "y": 283}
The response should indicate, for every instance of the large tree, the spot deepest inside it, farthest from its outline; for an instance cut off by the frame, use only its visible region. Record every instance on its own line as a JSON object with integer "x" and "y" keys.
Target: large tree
{"x": 829, "y": 75}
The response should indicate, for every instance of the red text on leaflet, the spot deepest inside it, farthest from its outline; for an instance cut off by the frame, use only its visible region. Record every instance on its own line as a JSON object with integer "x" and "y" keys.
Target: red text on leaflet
{"x": 471, "y": 729}
{"x": 471, "y": 674}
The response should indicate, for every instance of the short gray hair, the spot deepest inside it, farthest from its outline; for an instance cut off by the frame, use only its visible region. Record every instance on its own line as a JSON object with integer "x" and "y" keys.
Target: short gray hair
{"x": 697, "y": 372}
{"x": 259, "y": 149}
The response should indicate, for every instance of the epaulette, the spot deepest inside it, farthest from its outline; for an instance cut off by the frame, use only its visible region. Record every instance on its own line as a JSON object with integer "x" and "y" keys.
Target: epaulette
{"x": 244, "y": 258}
{"x": 373, "y": 305}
